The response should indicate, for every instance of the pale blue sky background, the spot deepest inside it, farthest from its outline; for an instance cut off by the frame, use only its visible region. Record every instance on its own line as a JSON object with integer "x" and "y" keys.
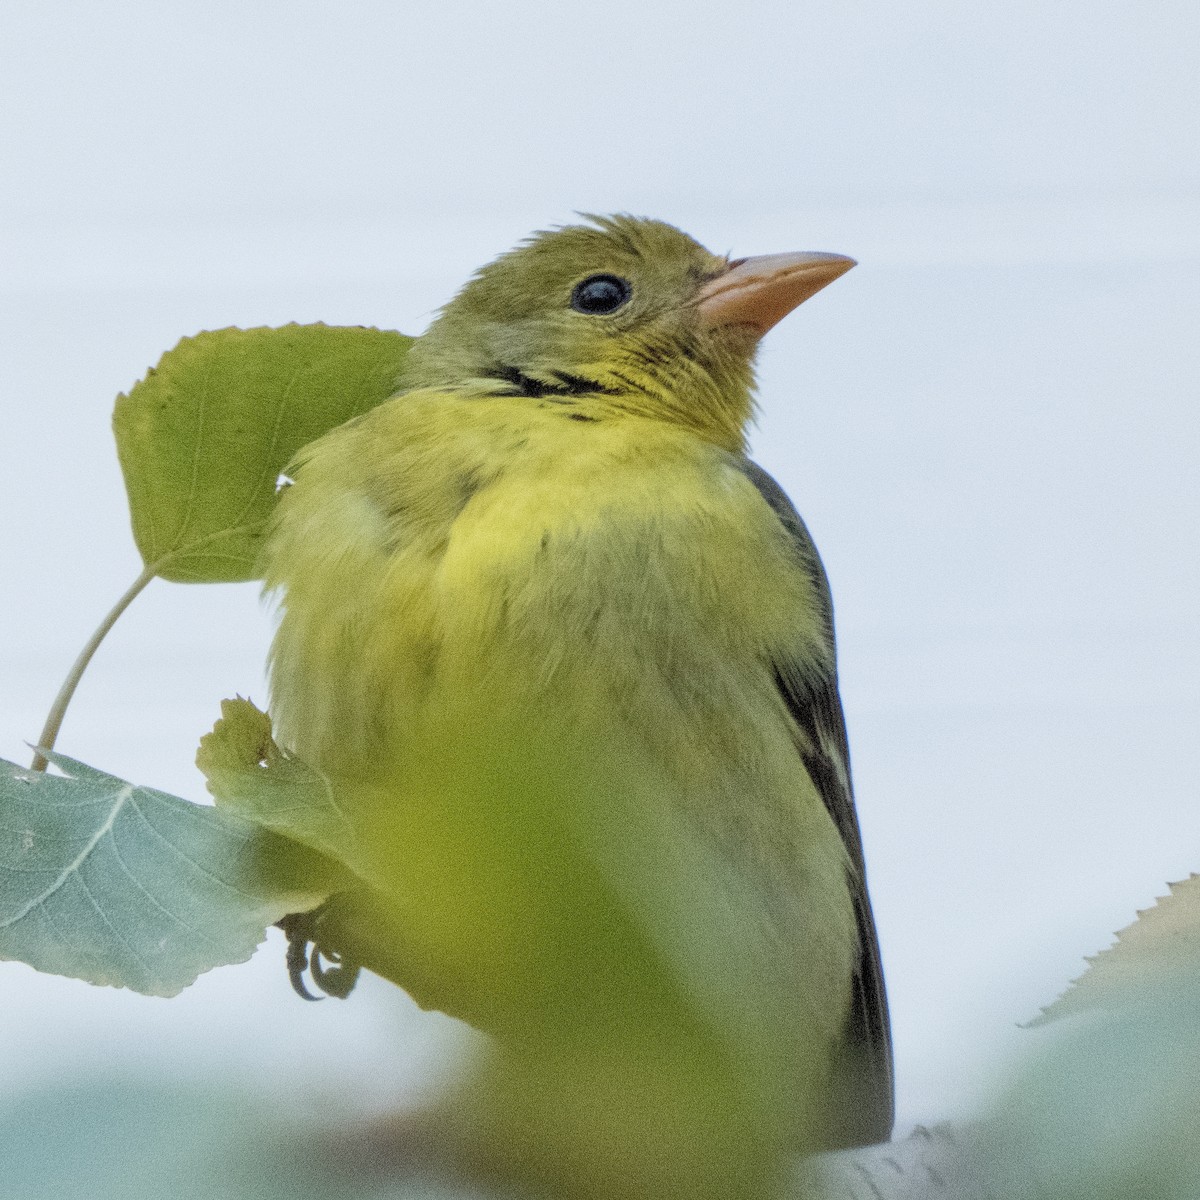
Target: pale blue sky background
{"x": 991, "y": 425}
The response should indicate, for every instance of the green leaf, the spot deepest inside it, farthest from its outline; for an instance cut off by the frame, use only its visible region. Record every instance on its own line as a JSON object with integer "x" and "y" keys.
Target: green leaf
{"x": 204, "y": 437}
{"x": 122, "y": 885}
{"x": 1147, "y": 957}
{"x": 251, "y": 775}
{"x": 1109, "y": 1109}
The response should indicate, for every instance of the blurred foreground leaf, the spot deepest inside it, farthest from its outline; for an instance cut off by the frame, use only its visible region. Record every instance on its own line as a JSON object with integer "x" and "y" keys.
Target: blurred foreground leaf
{"x": 1106, "y": 1105}
{"x": 530, "y": 881}
{"x": 143, "y": 1140}
{"x": 1111, "y": 1110}
{"x": 1159, "y": 947}
{"x": 203, "y": 438}
{"x": 127, "y": 886}
{"x": 1106, "y": 1110}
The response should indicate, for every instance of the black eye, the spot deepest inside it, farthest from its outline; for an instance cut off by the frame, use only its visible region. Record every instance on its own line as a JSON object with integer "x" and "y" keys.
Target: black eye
{"x": 600, "y": 294}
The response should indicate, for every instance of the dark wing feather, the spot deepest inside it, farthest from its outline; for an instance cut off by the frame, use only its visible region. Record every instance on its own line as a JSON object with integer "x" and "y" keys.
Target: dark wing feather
{"x": 863, "y": 1107}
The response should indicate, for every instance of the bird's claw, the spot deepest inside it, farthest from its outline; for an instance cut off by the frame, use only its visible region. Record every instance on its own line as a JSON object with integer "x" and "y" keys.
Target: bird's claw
{"x": 306, "y": 954}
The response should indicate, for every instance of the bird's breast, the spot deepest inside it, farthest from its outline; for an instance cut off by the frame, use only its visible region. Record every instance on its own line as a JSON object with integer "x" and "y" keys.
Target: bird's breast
{"x": 624, "y": 570}
{"x": 470, "y": 597}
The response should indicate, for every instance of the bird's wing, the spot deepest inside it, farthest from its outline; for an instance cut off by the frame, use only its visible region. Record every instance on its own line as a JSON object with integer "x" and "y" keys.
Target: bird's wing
{"x": 864, "y": 1104}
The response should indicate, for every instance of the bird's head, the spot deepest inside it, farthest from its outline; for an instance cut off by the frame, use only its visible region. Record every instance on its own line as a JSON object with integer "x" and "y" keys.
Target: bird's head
{"x": 622, "y": 315}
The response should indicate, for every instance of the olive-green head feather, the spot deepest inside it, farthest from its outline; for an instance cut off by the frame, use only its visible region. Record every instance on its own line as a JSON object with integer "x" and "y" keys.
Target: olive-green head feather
{"x": 619, "y": 316}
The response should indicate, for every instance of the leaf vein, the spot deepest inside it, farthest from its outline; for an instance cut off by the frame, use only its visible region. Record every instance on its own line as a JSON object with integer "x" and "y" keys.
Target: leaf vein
{"x": 265, "y": 474}
{"x": 202, "y": 870}
{"x": 162, "y": 908}
{"x": 123, "y": 796}
{"x": 201, "y": 411}
{"x": 147, "y": 974}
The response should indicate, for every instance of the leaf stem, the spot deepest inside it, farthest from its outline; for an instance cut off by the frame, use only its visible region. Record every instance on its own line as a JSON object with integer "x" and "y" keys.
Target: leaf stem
{"x": 58, "y": 709}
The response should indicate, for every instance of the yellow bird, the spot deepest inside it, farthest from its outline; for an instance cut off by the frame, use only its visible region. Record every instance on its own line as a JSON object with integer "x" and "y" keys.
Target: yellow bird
{"x": 573, "y": 653}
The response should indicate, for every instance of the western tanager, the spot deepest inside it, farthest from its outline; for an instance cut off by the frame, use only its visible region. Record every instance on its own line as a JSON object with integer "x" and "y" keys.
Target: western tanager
{"x": 568, "y": 655}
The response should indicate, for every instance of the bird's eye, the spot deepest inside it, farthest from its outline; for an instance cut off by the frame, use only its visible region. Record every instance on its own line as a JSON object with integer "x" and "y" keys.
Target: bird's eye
{"x": 600, "y": 294}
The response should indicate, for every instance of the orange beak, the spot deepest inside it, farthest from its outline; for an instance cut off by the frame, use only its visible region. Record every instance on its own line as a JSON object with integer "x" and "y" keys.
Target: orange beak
{"x": 759, "y": 292}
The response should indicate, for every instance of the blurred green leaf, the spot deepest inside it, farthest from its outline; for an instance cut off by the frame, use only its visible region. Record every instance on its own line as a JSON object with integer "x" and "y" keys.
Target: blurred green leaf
{"x": 513, "y": 878}
{"x": 1162, "y": 944}
{"x": 204, "y": 437}
{"x": 1111, "y": 1109}
{"x": 1105, "y": 1105}
{"x": 122, "y": 885}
